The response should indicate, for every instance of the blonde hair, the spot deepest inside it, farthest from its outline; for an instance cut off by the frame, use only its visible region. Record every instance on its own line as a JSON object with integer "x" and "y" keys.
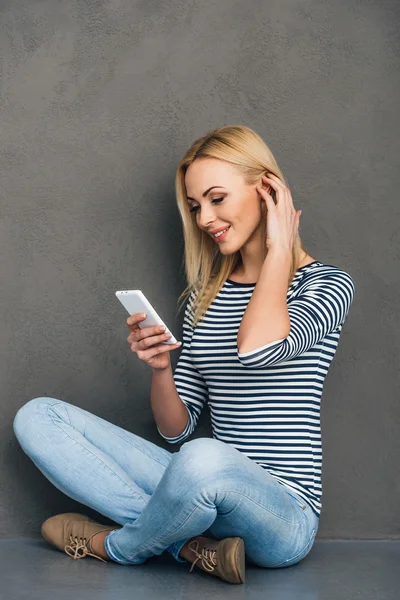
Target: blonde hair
{"x": 206, "y": 268}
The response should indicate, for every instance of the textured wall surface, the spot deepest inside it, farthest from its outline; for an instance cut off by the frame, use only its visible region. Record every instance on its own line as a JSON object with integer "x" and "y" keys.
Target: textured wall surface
{"x": 99, "y": 101}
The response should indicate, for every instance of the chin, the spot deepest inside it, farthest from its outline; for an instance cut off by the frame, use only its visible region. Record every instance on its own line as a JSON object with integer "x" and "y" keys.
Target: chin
{"x": 229, "y": 250}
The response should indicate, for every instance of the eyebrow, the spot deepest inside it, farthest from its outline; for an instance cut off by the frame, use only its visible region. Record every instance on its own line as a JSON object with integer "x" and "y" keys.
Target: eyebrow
{"x": 206, "y": 192}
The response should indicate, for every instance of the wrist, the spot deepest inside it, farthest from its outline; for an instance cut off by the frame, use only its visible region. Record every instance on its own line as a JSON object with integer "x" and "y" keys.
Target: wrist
{"x": 280, "y": 252}
{"x": 157, "y": 371}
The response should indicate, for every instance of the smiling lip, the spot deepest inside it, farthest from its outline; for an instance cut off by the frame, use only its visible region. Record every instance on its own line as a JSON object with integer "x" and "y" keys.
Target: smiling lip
{"x": 220, "y": 238}
{"x": 217, "y": 230}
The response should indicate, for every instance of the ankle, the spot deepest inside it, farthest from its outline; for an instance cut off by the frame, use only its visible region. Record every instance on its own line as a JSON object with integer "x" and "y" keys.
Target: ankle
{"x": 97, "y": 544}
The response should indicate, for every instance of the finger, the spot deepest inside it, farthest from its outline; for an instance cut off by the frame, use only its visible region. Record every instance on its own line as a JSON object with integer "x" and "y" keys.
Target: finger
{"x": 134, "y": 336}
{"x": 296, "y": 223}
{"x": 276, "y": 185}
{"x": 290, "y": 200}
{"x": 135, "y": 319}
{"x": 167, "y": 347}
{"x": 285, "y": 191}
{"x": 152, "y": 340}
{"x": 267, "y": 197}
{"x": 288, "y": 203}
{"x": 272, "y": 176}
{"x": 146, "y": 354}
{"x": 273, "y": 180}
{"x": 135, "y": 328}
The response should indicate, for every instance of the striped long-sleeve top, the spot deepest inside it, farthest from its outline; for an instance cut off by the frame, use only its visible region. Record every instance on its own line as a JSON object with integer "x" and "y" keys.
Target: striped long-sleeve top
{"x": 266, "y": 402}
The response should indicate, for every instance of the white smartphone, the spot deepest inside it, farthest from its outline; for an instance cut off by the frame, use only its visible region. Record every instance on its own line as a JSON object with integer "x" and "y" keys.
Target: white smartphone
{"x": 136, "y": 302}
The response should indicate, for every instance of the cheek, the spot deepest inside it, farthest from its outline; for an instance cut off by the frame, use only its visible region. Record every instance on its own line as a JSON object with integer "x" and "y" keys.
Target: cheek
{"x": 254, "y": 214}
{"x": 255, "y": 207}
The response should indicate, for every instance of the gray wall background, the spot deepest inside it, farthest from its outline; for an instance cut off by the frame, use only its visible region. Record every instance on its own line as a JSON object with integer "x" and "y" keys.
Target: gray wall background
{"x": 99, "y": 101}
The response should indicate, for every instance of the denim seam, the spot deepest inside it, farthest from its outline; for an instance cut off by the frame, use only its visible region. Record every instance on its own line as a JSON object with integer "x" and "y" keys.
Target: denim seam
{"x": 263, "y": 507}
{"x": 89, "y": 416}
{"x": 299, "y": 553}
{"x": 93, "y": 454}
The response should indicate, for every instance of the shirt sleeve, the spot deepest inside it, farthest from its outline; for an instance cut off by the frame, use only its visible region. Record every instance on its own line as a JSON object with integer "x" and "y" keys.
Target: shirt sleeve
{"x": 189, "y": 382}
{"x": 320, "y": 308}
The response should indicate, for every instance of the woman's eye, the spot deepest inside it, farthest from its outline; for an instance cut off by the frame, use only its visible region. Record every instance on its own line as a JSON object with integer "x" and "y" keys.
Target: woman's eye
{"x": 218, "y": 200}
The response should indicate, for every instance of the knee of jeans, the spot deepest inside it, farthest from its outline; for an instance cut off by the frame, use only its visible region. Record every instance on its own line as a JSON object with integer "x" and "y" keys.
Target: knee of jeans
{"x": 202, "y": 457}
{"x": 28, "y": 415}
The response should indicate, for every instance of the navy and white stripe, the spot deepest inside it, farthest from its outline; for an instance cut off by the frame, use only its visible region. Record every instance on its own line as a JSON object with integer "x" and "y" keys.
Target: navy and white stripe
{"x": 266, "y": 402}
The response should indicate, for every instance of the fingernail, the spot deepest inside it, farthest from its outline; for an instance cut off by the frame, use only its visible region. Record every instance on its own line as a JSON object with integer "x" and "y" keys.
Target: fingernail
{"x": 143, "y": 315}
{"x": 179, "y": 343}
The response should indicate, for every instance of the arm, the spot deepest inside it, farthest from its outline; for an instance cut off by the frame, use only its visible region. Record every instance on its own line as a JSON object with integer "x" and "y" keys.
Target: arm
{"x": 189, "y": 384}
{"x": 266, "y": 318}
{"x": 169, "y": 412}
{"x": 319, "y": 307}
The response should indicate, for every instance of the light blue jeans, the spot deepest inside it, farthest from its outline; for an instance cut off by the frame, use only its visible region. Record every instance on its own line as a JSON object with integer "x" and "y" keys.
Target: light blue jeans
{"x": 162, "y": 499}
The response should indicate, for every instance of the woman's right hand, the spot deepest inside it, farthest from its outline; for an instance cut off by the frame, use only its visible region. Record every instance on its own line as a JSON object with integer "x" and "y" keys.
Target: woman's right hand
{"x": 147, "y": 344}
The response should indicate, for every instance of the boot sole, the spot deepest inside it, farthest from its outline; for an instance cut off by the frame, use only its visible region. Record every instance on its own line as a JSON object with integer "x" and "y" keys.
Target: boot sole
{"x": 240, "y": 562}
{"x": 240, "y": 553}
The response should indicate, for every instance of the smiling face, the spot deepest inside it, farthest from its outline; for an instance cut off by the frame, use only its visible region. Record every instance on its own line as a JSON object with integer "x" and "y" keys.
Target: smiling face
{"x": 241, "y": 208}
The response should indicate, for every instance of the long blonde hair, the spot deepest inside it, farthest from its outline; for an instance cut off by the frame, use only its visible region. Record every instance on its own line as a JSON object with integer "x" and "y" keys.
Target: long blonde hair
{"x": 206, "y": 268}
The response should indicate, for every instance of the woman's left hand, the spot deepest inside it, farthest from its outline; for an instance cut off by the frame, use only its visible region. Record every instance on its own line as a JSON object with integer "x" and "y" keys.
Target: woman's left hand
{"x": 282, "y": 218}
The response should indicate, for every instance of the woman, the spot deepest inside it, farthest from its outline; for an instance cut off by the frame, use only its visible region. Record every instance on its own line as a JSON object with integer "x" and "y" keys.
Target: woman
{"x": 260, "y": 330}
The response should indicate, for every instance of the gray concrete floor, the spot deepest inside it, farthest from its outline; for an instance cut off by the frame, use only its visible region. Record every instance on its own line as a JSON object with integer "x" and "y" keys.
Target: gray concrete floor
{"x": 333, "y": 570}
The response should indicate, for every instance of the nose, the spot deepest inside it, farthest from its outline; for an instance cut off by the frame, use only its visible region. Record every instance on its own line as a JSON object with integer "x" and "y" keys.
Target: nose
{"x": 206, "y": 218}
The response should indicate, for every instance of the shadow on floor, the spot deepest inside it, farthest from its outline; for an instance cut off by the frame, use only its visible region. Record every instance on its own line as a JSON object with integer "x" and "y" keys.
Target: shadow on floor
{"x": 333, "y": 570}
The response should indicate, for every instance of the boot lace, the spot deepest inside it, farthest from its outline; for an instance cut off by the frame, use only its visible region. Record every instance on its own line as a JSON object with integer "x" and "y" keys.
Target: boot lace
{"x": 207, "y": 557}
{"x": 78, "y": 548}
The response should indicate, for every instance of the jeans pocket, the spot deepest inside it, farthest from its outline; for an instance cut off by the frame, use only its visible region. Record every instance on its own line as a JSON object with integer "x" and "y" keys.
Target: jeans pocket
{"x": 299, "y": 500}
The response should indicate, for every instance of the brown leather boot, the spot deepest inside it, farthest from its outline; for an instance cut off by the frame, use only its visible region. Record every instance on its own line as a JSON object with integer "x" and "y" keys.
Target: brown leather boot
{"x": 222, "y": 558}
{"x": 72, "y": 532}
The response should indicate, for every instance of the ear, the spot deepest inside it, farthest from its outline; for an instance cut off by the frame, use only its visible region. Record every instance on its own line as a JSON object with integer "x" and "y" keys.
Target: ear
{"x": 265, "y": 186}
